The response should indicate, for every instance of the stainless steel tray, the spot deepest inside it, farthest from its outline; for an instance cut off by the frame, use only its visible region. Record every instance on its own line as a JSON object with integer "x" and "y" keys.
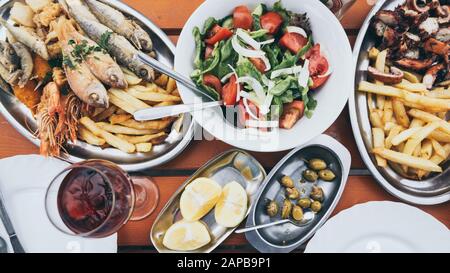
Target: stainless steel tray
{"x": 434, "y": 190}
{"x": 287, "y": 237}
{"x": 22, "y": 120}
{"x": 233, "y": 165}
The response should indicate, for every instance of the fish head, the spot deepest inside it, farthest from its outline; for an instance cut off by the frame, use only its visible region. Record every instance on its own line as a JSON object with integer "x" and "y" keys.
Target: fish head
{"x": 97, "y": 98}
{"x": 146, "y": 73}
{"x": 116, "y": 78}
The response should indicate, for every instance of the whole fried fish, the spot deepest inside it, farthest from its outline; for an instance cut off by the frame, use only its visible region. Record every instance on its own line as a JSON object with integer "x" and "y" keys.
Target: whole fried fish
{"x": 28, "y": 38}
{"x": 80, "y": 78}
{"x": 117, "y": 21}
{"x": 26, "y": 63}
{"x": 98, "y": 61}
{"x": 8, "y": 57}
{"x": 118, "y": 46}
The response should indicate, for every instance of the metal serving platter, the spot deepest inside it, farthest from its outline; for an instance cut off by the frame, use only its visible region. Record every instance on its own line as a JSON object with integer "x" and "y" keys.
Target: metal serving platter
{"x": 434, "y": 190}
{"x": 233, "y": 165}
{"x": 22, "y": 119}
{"x": 287, "y": 237}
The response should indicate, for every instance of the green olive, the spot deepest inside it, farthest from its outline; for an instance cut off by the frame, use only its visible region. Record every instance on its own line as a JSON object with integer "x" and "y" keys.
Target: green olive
{"x": 316, "y": 206}
{"x": 292, "y": 193}
{"x": 310, "y": 175}
{"x": 287, "y": 182}
{"x": 304, "y": 203}
{"x": 327, "y": 175}
{"x": 317, "y": 194}
{"x": 297, "y": 213}
{"x": 317, "y": 164}
{"x": 286, "y": 209}
{"x": 272, "y": 208}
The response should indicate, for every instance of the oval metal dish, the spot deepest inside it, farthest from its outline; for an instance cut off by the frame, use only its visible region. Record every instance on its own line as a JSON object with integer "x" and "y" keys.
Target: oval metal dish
{"x": 233, "y": 165}
{"x": 434, "y": 190}
{"x": 22, "y": 120}
{"x": 287, "y": 237}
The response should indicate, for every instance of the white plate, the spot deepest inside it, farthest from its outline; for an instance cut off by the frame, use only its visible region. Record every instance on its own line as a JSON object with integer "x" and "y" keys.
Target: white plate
{"x": 385, "y": 226}
{"x": 331, "y": 98}
{"x": 23, "y": 183}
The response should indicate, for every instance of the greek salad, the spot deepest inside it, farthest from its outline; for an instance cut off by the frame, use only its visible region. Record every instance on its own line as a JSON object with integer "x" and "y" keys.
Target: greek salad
{"x": 264, "y": 61}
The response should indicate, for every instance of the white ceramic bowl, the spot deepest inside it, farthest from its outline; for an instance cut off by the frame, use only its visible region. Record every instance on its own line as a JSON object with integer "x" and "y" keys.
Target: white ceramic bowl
{"x": 331, "y": 98}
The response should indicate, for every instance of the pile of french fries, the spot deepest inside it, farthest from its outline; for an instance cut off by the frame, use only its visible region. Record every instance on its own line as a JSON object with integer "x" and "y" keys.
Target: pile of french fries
{"x": 115, "y": 126}
{"x": 409, "y": 126}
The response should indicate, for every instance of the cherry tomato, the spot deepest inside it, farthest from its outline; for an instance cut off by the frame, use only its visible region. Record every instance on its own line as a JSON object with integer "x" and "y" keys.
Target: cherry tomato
{"x": 212, "y": 81}
{"x": 271, "y": 22}
{"x": 292, "y": 112}
{"x": 293, "y": 41}
{"x": 218, "y": 34}
{"x": 208, "y": 51}
{"x": 242, "y": 18}
{"x": 229, "y": 92}
{"x": 259, "y": 64}
{"x": 318, "y": 65}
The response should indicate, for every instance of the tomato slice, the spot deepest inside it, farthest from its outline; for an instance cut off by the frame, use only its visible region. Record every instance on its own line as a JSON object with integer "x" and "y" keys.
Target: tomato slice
{"x": 292, "y": 112}
{"x": 318, "y": 65}
{"x": 271, "y": 22}
{"x": 208, "y": 51}
{"x": 218, "y": 34}
{"x": 293, "y": 41}
{"x": 229, "y": 92}
{"x": 259, "y": 64}
{"x": 242, "y": 18}
{"x": 243, "y": 115}
{"x": 212, "y": 81}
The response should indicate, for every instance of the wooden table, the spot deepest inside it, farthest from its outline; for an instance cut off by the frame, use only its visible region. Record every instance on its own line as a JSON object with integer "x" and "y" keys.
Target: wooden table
{"x": 171, "y": 15}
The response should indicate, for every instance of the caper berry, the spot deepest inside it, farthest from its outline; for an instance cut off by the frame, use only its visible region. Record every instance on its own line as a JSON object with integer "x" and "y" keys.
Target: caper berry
{"x": 304, "y": 203}
{"x": 327, "y": 175}
{"x": 316, "y": 206}
{"x": 272, "y": 208}
{"x": 297, "y": 213}
{"x": 317, "y": 164}
{"x": 286, "y": 209}
{"x": 317, "y": 194}
{"x": 287, "y": 182}
{"x": 310, "y": 175}
{"x": 292, "y": 193}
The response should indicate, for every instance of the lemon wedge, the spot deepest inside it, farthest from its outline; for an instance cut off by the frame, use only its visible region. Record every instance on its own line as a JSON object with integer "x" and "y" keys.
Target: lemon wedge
{"x": 186, "y": 236}
{"x": 232, "y": 205}
{"x": 198, "y": 198}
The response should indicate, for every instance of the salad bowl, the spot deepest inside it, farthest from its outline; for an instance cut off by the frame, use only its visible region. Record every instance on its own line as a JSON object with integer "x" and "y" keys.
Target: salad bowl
{"x": 331, "y": 97}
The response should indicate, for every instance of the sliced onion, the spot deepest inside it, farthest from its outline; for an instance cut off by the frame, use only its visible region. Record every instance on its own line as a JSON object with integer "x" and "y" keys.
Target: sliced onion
{"x": 264, "y": 109}
{"x": 266, "y": 63}
{"x": 250, "y": 53}
{"x": 298, "y": 30}
{"x": 246, "y": 38}
{"x": 285, "y": 71}
{"x": 266, "y": 42}
{"x": 226, "y": 77}
{"x": 249, "y": 111}
{"x": 303, "y": 77}
{"x": 255, "y": 85}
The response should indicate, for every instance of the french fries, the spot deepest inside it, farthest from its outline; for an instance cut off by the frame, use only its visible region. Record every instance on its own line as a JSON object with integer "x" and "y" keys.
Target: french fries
{"x": 378, "y": 142}
{"x": 108, "y": 137}
{"x": 116, "y": 126}
{"x": 408, "y": 160}
{"x": 409, "y": 126}
{"x": 148, "y": 125}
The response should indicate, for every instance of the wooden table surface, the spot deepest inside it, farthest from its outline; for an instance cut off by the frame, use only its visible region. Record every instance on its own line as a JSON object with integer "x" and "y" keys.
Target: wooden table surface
{"x": 171, "y": 15}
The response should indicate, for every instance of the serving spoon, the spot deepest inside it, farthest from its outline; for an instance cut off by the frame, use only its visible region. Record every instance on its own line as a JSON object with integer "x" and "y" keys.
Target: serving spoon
{"x": 307, "y": 218}
{"x": 167, "y": 111}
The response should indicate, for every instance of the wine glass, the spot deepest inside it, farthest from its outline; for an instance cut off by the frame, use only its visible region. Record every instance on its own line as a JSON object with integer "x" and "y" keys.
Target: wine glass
{"x": 95, "y": 198}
